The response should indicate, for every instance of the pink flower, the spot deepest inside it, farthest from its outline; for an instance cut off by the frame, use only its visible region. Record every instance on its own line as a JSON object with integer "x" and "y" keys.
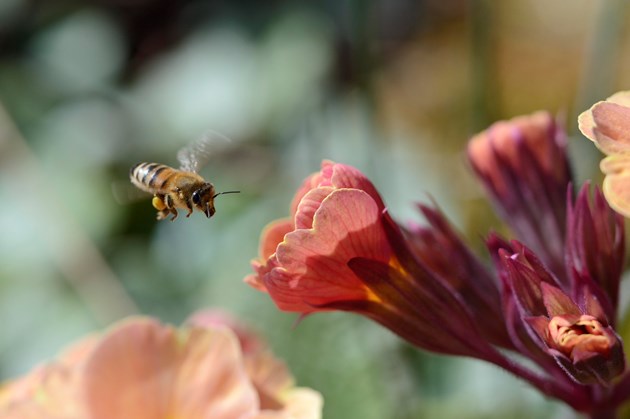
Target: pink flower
{"x": 607, "y": 124}
{"x": 143, "y": 369}
{"x": 340, "y": 250}
{"x": 335, "y": 216}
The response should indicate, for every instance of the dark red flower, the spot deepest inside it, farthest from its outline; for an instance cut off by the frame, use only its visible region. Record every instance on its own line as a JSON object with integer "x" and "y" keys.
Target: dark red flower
{"x": 595, "y": 252}
{"x": 579, "y": 339}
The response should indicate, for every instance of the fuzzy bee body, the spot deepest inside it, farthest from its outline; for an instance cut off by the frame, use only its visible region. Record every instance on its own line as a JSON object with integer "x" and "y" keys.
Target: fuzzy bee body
{"x": 173, "y": 189}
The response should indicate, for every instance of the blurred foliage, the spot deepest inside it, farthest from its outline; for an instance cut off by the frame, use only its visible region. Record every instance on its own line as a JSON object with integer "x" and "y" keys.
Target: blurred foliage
{"x": 393, "y": 87}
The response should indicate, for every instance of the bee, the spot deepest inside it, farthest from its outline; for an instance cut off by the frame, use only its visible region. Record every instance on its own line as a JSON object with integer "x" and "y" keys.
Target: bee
{"x": 180, "y": 188}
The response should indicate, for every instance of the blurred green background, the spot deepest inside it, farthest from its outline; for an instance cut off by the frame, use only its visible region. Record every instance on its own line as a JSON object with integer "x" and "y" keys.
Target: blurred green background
{"x": 88, "y": 88}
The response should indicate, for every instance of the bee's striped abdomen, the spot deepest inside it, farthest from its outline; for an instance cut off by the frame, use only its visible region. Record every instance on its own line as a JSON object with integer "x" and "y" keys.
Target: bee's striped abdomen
{"x": 150, "y": 177}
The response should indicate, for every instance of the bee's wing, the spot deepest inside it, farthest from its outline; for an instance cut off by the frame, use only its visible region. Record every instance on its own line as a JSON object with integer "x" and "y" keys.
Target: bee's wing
{"x": 195, "y": 155}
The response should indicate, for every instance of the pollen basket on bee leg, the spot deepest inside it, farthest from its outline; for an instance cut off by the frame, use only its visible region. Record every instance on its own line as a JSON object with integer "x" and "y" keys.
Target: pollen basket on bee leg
{"x": 158, "y": 203}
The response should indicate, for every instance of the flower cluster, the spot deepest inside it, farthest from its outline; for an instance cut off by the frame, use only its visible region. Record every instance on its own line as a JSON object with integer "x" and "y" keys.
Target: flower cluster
{"x": 551, "y": 297}
{"x": 143, "y": 369}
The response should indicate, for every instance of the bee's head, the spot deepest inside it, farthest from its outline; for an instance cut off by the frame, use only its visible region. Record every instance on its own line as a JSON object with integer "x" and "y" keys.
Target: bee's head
{"x": 203, "y": 199}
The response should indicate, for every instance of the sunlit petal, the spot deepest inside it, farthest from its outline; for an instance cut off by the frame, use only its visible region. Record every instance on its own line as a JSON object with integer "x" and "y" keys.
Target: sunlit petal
{"x": 616, "y": 186}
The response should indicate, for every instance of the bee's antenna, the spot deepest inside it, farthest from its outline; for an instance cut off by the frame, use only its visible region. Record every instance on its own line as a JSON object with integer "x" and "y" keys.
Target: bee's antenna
{"x": 223, "y": 193}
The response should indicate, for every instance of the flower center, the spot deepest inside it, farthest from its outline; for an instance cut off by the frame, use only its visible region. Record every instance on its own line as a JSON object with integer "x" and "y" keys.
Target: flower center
{"x": 583, "y": 333}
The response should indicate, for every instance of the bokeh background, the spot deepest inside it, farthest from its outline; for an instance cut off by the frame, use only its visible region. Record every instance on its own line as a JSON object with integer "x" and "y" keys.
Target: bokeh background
{"x": 394, "y": 87}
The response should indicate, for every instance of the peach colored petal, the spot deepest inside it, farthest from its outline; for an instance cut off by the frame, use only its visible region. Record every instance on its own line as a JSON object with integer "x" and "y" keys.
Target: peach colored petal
{"x": 337, "y": 176}
{"x": 255, "y": 280}
{"x": 608, "y": 145}
{"x": 78, "y": 351}
{"x": 586, "y": 124}
{"x": 272, "y": 235}
{"x": 345, "y": 176}
{"x": 47, "y": 392}
{"x": 144, "y": 370}
{"x": 309, "y": 204}
{"x": 300, "y": 403}
{"x": 59, "y": 394}
{"x": 270, "y": 377}
{"x": 249, "y": 340}
{"x": 616, "y": 185}
{"x": 321, "y": 178}
{"x": 22, "y": 388}
{"x": 604, "y": 123}
{"x": 212, "y": 382}
{"x": 612, "y": 121}
{"x": 347, "y": 225}
{"x": 27, "y": 411}
{"x": 131, "y": 372}
{"x": 620, "y": 98}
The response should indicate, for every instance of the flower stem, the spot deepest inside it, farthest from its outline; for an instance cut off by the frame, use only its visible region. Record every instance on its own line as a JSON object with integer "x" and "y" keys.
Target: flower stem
{"x": 574, "y": 396}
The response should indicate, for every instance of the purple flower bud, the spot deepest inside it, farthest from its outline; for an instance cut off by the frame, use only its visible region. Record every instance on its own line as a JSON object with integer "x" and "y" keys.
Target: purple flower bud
{"x": 524, "y": 167}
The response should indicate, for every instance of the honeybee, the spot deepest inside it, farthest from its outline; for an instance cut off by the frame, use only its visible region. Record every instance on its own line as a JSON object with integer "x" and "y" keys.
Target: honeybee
{"x": 180, "y": 188}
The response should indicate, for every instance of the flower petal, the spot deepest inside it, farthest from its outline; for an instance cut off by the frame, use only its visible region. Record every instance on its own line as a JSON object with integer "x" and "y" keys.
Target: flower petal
{"x": 586, "y": 121}
{"x": 616, "y": 185}
{"x": 612, "y": 122}
{"x": 300, "y": 403}
{"x": 557, "y": 302}
{"x": 309, "y": 204}
{"x": 441, "y": 250}
{"x": 144, "y": 370}
{"x": 271, "y": 379}
{"x": 249, "y": 340}
{"x": 345, "y": 176}
{"x": 211, "y": 379}
{"x": 128, "y": 374}
{"x": 321, "y": 178}
{"x": 312, "y": 264}
{"x": 272, "y": 236}
{"x": 595, "y": 253}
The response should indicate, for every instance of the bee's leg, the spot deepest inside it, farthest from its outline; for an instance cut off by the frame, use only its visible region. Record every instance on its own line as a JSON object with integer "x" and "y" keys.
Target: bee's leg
{"x": 168, "y": 202}
{"x": 190, "y": 210}
{"x": 169, "y": 207}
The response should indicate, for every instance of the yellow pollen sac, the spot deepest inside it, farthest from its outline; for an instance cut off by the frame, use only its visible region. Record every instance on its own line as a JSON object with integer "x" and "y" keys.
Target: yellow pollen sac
{"x": 158, "y": 203}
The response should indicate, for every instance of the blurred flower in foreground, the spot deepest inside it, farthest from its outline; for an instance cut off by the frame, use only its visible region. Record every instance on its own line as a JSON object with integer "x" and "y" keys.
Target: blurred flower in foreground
{"x": 607, "y": 124}
{"x": 552, "y": 297}
{"x": 143, "y": 369}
